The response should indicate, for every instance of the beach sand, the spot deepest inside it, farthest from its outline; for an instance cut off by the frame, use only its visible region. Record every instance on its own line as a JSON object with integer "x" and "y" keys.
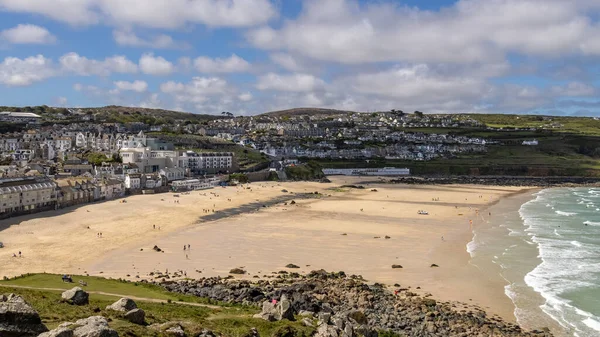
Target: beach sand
{"x": 242, "y": 233}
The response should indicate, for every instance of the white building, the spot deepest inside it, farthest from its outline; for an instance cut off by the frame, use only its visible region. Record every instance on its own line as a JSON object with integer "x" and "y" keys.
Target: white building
{"x": 174, "y": 173}
{"x": 530, "y": 142}
{"x": 19, "y": 117}
{"x": 205, "y": 162}
{"x": 62, "y": 143}
{"x": 133, "y": 181}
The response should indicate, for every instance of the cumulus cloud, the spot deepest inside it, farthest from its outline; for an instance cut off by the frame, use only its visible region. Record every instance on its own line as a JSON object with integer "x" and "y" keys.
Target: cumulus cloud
{"x": 293, "y": 82}
{"x": 128, "y": 38}
{"x": 151, "y": 65}
{"x": 137, "y": 86}
{"x": 81, "y": 65}
{"x": 245, "y": 97}
{"x": 27, "y": 34}
{"x": 155, "y": 13}
{"x": 232, "y": 64}
{"x": 469, "y": 31}
{"x": 22, "y": 72}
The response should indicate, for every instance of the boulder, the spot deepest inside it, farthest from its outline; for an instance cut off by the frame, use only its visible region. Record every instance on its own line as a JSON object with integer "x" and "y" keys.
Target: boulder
{"x": 124, "y": 304}
{"x": 136, "y": 316}
{"x": 76, "y": 296}
{"x": 18, "y": 318}
{"x": 396, "y": 266}
{"x": 95, "y": 326}
{"x": 176, "y": 331}
{"x": 276, "y": 312}
{"x": 58, "y": 332}
{"x": 292, "y": 266}
{"x": 238, "y": 271}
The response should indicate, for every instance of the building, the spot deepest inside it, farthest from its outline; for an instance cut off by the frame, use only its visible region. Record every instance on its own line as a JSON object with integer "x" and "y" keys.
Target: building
{"x": 133, "y": 181}
{"x": 19, "y": 117}
{"x": 26, "y": 195}
{"x": 530, "y": 142}
{"x": 171, "y": 174}
{"x": 205, "y": 162}
{"x": 386, "y": 171}
{"x": 194, "y": 184}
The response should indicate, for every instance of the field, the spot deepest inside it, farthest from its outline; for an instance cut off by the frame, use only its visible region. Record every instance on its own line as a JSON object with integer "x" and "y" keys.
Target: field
{"x": 159, "y": 305}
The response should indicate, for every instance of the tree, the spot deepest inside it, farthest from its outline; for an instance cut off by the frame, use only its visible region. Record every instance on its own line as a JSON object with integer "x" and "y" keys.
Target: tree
{"x": 419, "y": 114}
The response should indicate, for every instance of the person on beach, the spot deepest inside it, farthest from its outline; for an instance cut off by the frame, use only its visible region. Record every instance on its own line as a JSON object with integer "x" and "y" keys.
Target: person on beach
{"x": 183, "y": 247}
{"x": 19, "y": 253}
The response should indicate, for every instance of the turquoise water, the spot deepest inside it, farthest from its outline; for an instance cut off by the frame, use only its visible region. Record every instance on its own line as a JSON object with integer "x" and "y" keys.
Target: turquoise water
{"x": 548, "y": 251}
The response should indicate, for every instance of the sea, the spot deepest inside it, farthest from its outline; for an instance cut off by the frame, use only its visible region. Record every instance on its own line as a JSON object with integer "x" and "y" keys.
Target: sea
{"x": 546, "y": 246}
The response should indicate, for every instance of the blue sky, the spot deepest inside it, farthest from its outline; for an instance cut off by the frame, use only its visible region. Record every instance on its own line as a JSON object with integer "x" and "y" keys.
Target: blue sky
{"x": 252, "y": 56}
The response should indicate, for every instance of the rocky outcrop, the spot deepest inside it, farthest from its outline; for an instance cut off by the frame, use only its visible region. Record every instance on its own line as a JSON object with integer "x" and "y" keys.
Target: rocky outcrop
{"x": 95, "y": 326}
{"x": 276, "y": 310}
{"x": 124, "y": 304}
{"x": 76, "y": 296}
{"x": 58, "y": 332}
{"x": 337, "y": 305}
{"x": 136, "y": 316}
{"x": 18, "y": 318}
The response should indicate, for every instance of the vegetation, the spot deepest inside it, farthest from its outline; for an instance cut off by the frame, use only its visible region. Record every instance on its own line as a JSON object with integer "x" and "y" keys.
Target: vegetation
{"x": 239, "y": 177}
{"x": 309, "y": 171}
{"x": 96, "y": 158}
{"x": 229, "y": 320}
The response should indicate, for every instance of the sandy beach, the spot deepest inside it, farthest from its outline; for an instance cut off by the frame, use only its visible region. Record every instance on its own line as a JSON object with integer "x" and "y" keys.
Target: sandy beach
{"x": 342, "y": 229}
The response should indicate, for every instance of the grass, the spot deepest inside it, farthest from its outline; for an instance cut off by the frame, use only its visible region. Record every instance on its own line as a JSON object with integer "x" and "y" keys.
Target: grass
{"x": 134, "y": 289}
{"x": 232, "y": 320}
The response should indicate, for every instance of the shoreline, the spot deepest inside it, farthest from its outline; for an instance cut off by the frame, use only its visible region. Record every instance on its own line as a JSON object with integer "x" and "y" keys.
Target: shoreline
{"x": 308, "y": 234}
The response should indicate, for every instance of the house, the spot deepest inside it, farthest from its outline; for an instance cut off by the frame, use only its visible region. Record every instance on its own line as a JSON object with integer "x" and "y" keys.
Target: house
{"x": 530, "y": 142}
{"x": 77, "y": 169}
{"x": 133, "y": 181}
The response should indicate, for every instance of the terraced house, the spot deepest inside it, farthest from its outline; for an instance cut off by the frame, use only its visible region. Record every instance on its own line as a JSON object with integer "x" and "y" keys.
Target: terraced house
{"x": 26, "y": 195}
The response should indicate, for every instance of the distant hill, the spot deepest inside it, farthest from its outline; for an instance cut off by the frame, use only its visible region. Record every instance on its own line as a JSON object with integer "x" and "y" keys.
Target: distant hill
{"x": 305, "y": 111}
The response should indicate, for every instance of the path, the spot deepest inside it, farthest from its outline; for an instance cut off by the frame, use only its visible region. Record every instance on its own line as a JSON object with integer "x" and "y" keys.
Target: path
{"x": 135, "y": 298}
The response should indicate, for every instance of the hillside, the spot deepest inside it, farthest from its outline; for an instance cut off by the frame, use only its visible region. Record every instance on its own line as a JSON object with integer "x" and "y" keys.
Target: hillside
{"x": 113, "y": 113}
{"x": 305, "y": 111}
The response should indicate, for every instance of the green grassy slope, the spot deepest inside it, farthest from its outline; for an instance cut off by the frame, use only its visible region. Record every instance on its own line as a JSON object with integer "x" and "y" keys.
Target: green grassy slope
{"x": 228, "y": 320}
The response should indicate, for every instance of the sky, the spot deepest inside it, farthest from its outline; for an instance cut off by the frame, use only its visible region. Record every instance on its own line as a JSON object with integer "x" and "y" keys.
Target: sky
{"x": 253, "y": 56}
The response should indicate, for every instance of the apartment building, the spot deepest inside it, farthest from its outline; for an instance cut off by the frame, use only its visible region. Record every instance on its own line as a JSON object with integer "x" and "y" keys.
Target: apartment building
{"x": 205, "y": 162}
{"x": 22, "y": 195}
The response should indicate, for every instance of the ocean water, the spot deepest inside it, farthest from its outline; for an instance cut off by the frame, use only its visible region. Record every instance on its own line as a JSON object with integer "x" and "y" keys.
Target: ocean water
{"x": 548, "y": 251}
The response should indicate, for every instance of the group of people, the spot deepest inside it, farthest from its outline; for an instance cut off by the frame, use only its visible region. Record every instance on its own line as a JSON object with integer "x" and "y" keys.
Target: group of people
{"x": 154, "y": 227}
{"x": 15, "y": 255}
{"x": 99, "y": 235}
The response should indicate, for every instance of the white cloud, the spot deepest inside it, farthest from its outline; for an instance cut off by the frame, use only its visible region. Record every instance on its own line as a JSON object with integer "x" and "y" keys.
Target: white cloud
{"x": 22, "y": 72}
{"x": 574, "y": 89}
{"x": 245, "y": 97}
{"x": 151, "y": 65}
{"x": 155, "y": 13}
{"x": 80, "y": 65}
{"x": 27, "y": 34}
{"x": 137, "y": 86}
{"x": 293, "y": 82}
{"x": 232, "y": 64}
{"x": 469, "y": 31}
{"x": 76, "y": 12}
{"x": 125, "y": 37}
{"x": 152, "y": 102}
{"x": 286, "y": 61}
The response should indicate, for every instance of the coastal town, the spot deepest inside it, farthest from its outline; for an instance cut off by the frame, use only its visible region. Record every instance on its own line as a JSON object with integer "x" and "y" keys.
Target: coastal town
{"x": 67, "y": 157}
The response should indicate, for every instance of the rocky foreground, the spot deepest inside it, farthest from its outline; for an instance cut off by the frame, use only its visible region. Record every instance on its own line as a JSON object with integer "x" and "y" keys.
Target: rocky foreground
{"x": 341, "y": 306}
